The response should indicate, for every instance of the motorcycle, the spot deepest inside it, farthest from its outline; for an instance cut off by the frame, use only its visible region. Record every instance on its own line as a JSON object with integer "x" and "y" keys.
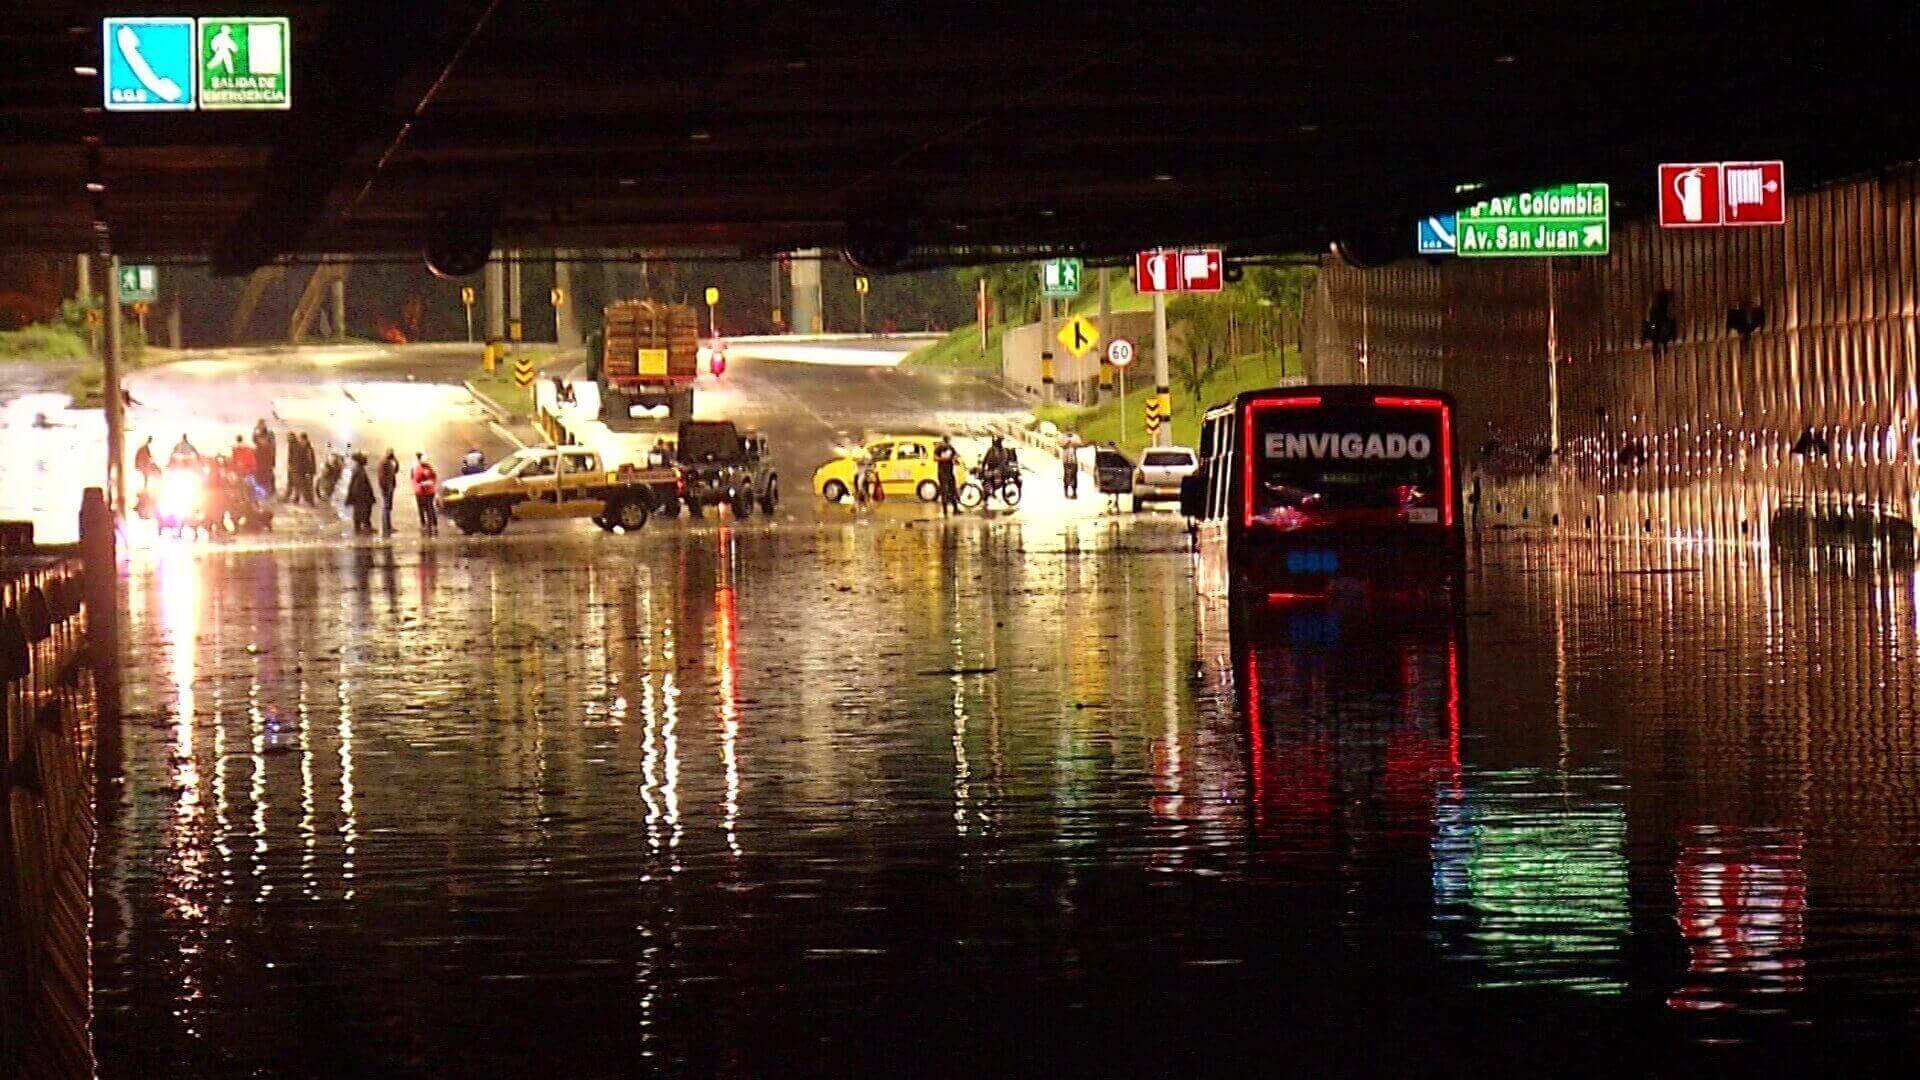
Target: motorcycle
{"x": 184, "y": 501}
{"x": 1003, "y": 483}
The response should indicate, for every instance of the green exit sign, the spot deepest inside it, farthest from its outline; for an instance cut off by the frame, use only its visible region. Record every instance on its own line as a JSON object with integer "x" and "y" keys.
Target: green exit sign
{"x": 1572, "y": 219}
{"x": 1060, "y": 278}
{"x": 245, "y": 63}
{"x": 139, "y": 283}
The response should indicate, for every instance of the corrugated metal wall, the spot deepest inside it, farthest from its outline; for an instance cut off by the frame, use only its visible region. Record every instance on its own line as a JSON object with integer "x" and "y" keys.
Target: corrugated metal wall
{"x": 1695, "y": 439}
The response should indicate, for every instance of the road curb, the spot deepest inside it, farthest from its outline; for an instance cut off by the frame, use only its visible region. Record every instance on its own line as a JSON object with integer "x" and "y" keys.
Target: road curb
{"x": 499, "y": 412}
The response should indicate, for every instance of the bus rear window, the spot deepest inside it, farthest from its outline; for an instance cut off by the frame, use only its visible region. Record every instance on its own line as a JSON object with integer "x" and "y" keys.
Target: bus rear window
{"x": 1352, "y": 465}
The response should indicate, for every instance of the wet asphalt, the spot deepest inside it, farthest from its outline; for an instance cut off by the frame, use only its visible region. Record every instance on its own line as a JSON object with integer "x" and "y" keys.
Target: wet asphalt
{"x": 872, "y": 793}
{"x": 994, "y": 796}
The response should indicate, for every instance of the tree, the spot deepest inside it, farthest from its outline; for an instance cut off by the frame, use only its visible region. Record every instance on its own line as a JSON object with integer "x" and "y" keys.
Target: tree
{"x": 1014, "y": 288}
{"x": 1202, "y": 333}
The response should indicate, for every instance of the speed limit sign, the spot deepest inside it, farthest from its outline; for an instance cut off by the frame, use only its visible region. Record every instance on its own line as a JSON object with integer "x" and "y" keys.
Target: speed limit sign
{"x": 1120, "y": 352}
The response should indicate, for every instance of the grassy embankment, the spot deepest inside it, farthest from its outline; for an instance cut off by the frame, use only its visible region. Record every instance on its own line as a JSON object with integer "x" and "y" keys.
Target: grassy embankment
{"x": 960, "y": 350}
{"x": 1102, "y": 425}
{"x": 498, "y": 386}
{"x": 60, "y": 342}
{"x": 42, "y": 342}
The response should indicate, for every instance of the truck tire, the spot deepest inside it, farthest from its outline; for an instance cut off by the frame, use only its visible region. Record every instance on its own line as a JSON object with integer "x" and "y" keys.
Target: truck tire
{"x": 630, "y": 514}
{"x": 493, "y": 519}
{"x": 669, "y": 507}
{"x": 770, "y": 498}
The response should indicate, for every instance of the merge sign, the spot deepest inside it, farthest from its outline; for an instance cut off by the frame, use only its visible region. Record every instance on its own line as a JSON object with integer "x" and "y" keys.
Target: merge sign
{"x": 1572, "y": 219}
{"x": 244, "y": 62}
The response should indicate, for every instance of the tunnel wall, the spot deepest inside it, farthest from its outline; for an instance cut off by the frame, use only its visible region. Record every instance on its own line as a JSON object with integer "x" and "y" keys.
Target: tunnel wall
{"x": 1692, "y": 440}
{"x": 46, "y": 819}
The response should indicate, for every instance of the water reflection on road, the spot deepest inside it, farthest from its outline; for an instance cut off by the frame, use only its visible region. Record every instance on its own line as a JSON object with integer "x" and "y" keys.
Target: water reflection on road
{"x": 757, "y": 802}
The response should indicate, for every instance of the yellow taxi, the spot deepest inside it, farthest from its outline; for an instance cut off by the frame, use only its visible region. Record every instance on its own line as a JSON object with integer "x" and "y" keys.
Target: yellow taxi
{"x": 905, "y": 464}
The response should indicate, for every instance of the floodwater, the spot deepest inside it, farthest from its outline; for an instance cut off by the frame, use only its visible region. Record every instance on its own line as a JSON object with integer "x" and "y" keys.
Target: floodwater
{"x": 967, "y": 799}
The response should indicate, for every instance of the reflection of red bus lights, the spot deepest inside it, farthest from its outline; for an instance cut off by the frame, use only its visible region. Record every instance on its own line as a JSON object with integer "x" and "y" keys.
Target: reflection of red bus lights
{"x": 1283, "y": 599}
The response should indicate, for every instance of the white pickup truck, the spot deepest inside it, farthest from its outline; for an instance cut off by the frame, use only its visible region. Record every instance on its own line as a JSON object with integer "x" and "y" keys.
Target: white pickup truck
{"x": 558, "y": 482}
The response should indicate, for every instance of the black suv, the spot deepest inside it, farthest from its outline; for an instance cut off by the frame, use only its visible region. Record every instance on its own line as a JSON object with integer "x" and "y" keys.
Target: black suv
{"x": 721, "y": 465}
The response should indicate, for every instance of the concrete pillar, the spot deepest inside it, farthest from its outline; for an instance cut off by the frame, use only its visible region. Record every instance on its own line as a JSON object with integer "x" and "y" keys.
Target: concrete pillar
{"x": 115, "y": 406}
{"x": 173, "y": 324}
{"x": 339, "y": 315}
{"x": 808, "y": 316}
{"x": 775, "y": 316}
{"x": 515, "y": 327}
{"x": 83, "y": 290}
{"x": 100, "y": 570}
{"x": 495, "y": 290}
{"x": 566, "y": 331}
{"x": 610, "y": 284}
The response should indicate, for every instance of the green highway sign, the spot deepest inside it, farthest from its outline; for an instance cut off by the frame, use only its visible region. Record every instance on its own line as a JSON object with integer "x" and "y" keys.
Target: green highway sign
{"x": 1060, "y": 278}
{"x": 245, "y": 63}
{"x": 1572, "y": 219}
{"x": 139, "y": 283}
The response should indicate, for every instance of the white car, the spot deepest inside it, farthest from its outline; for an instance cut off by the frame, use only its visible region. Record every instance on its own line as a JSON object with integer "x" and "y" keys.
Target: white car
{"x": 1157, "y": 477}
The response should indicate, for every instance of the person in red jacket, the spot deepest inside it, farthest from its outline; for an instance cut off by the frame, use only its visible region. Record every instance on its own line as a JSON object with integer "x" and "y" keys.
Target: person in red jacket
{"x": 241, "y": 456}
{"x": 426, "y": 487}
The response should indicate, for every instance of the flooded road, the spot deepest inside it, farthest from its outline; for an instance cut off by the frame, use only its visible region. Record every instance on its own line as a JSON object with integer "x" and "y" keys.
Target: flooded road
{"x": 961, "y": 798}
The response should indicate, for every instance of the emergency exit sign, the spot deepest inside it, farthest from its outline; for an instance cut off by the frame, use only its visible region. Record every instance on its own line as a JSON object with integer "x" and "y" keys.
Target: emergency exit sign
{"x": 243, "y": 63}
{"x": 1572, "y": 219}
{"x": 139, "y": 283}
{"x": 1060, "y": 278}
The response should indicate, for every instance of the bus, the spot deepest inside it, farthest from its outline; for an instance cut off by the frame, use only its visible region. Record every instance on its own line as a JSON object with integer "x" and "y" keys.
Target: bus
{"x": 1310, "y": 492}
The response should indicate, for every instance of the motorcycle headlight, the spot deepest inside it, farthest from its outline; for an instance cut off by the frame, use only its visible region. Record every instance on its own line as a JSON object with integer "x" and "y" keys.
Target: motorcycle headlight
{"x": 179, "y": 495}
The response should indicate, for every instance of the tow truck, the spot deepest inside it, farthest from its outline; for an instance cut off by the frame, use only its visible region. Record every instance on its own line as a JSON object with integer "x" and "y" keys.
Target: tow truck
{"x": 558, "y": 482}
